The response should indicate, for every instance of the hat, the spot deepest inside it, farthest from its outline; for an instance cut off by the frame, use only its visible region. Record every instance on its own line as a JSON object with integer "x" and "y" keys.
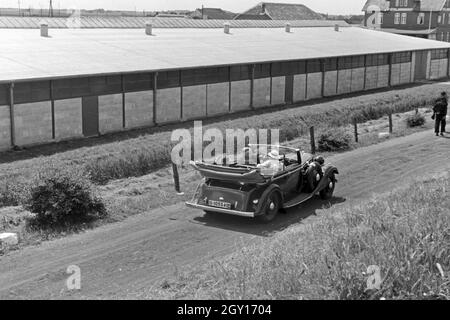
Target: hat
{"x": 274, "y": 155}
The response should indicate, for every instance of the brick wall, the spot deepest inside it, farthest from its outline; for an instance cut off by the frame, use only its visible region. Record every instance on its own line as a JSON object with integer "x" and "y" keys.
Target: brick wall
{"x": 344, "y": 81}
{"x": 5, "y": 128}
{"x": 138, "y": 109}
{"x": 330, "y": 83}
{"x": 240, "y": 95}
{"x": 33, "y": 123}
{"x": 194, "y": 102}
{"x": 405, "y": 73}
{"x": 218, "y": 98}
{"x": 278, "y": 90}
{"x": 357, "y": 82}
{"x": 314, "y": 87}
{"x": 261, "y": 93}
{"x": 438, "y": 69}
{"x": 383, "y": 76}
{"x": 68, "y": 119}
{"x": 110, "y": 109}
{"x": 299, "y": 87}
{"x": 169, "y": 105}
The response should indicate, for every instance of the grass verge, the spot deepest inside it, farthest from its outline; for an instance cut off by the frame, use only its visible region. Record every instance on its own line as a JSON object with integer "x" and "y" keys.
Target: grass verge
{"x": 406, "y": 234}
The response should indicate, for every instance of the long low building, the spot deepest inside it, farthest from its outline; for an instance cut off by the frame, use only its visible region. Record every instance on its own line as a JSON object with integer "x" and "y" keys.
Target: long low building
{"x": 77, "y": 83}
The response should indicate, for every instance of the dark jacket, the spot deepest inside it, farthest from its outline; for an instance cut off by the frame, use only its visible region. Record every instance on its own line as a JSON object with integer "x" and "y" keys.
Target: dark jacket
{"x": 441, "y": 106}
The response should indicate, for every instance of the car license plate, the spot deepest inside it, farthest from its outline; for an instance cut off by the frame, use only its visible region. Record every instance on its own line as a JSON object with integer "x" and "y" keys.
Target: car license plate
{"x": 219, "y": 204}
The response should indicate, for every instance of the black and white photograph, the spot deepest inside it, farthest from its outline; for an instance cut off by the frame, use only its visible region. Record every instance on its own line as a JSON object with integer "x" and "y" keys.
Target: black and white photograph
{"x": 225, "y": 156}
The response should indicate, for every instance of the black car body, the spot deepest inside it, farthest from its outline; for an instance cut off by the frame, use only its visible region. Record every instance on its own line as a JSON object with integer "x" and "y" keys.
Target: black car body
{"x": 245, "y": 190}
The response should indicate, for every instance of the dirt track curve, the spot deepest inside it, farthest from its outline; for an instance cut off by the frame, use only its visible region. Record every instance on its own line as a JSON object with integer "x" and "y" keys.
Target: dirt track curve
{"x": 128, "y": 257}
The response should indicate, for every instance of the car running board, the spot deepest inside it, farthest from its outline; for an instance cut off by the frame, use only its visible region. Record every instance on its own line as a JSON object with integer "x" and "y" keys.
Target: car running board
{"x": 298, "y": 200}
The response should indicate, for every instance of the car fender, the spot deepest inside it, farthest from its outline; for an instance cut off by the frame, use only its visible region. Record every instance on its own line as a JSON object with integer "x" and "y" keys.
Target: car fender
{"x": 329, "y": 171}
{"x": 265, "y": 195}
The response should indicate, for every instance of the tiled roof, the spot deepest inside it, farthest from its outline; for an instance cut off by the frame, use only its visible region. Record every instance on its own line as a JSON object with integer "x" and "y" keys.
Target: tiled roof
{"x": 245, "y": 16}
{"x": 371, "y": 4}
{"x": 25, "y": 55}
{"x": 136, "y": 22}
{"x": 284, "y": 11}
{"x": 216, "y": 14}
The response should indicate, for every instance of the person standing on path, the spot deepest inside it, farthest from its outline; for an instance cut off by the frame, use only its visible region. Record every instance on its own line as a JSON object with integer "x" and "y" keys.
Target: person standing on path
{"x": 440, "y": 114}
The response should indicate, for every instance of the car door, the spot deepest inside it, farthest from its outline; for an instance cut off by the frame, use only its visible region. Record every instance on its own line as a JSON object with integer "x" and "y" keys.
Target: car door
{"x": 288, "y": 181}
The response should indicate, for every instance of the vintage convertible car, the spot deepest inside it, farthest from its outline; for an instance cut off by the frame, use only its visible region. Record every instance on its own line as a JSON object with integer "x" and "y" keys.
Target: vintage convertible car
{"x": 255, "y": 191}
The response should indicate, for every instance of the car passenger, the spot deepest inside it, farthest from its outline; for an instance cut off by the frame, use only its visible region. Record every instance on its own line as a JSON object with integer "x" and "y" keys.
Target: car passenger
{"x": 272, "y": 163}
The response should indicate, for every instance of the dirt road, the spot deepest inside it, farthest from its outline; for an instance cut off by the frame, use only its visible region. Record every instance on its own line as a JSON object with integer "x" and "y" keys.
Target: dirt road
{"x": 121, "y": 259}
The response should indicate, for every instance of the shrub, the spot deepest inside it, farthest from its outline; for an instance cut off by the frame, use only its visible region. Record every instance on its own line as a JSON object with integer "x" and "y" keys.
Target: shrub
{"x": 335, "y": 139}
{"x": 415, "y": 120}
{"x": 14, "y": 193}
{"x": 63, "y": 198}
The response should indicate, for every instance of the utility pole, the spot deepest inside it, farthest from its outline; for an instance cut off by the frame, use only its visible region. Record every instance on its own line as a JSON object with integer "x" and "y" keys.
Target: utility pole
{"x": 431, "y": 16}
{"x": 50, "y": 9}
{"x": 19, "y": 7}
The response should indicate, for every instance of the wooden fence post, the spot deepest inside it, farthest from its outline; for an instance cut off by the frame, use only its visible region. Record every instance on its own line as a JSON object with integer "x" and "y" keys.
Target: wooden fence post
{"x": 391, "y": 129}
{"x": 176, "y": 179}
{"x": 355, "y": 124}
{"x": 313, "y": 140}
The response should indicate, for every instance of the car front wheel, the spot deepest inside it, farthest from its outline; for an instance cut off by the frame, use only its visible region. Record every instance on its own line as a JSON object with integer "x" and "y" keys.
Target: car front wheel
{"x": 271, "y": 208}
{"x": 327, "y": 193}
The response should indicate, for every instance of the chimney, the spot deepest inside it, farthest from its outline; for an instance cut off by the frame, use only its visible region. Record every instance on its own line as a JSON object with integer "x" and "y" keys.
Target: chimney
{"x": 44, "y": 29}
{"x": 288, "y": 27}
{"x": 148, "y": 28}
{"x": 336, "y": 27}
{"x": 226, "y": 28}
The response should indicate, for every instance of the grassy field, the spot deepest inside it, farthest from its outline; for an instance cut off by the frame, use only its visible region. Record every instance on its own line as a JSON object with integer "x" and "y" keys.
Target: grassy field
{"x": 138, "y": 156}
{"x": 406, "y": 234}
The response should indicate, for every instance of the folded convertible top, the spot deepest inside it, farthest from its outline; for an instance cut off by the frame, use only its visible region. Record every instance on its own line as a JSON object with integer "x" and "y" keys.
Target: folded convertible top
{"x": 239, "y": 175}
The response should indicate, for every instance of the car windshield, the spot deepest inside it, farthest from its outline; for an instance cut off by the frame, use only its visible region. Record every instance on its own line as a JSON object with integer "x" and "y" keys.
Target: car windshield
{"x": 267, "y": 152}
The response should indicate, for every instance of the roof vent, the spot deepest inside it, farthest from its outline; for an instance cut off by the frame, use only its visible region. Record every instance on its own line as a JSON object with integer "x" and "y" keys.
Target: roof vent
{"x": 148, "y": 28}
{"x": 288, "y": 27}
{"x": 336, "y": 27}
{"x": 226, "y": 28}
{"x": 44, "y": 29}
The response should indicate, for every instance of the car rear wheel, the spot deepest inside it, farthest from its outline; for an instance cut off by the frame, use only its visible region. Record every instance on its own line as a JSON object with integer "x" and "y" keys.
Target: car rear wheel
{"x": 271, "y": 208}
{"x": 327, "y": 193}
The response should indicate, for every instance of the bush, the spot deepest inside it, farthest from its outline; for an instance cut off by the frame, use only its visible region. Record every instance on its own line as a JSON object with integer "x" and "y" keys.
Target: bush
{"x": 335, "y": 139}
{"x": 14, "y": 194}
{"x": 63, "y": 198}
{"x": 416, "y": 120}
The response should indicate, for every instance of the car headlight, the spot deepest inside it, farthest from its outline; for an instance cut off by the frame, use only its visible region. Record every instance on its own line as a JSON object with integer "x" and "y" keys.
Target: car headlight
{"x": 256, "y": 201}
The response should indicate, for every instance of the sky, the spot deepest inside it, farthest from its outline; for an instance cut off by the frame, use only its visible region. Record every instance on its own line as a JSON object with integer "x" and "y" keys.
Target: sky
{"x": 322, "y": 6}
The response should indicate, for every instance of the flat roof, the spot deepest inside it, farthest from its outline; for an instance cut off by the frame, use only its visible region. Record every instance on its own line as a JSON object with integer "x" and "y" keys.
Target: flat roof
{"x": 25, "y": 55}
{"x": 92, "y": 22}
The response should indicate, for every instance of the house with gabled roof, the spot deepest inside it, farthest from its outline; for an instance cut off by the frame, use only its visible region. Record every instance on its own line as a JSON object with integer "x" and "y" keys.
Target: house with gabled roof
{"x": 279, "y": 11}
{"x": 420, "y": 18}
{"x": 212, "y": 14}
